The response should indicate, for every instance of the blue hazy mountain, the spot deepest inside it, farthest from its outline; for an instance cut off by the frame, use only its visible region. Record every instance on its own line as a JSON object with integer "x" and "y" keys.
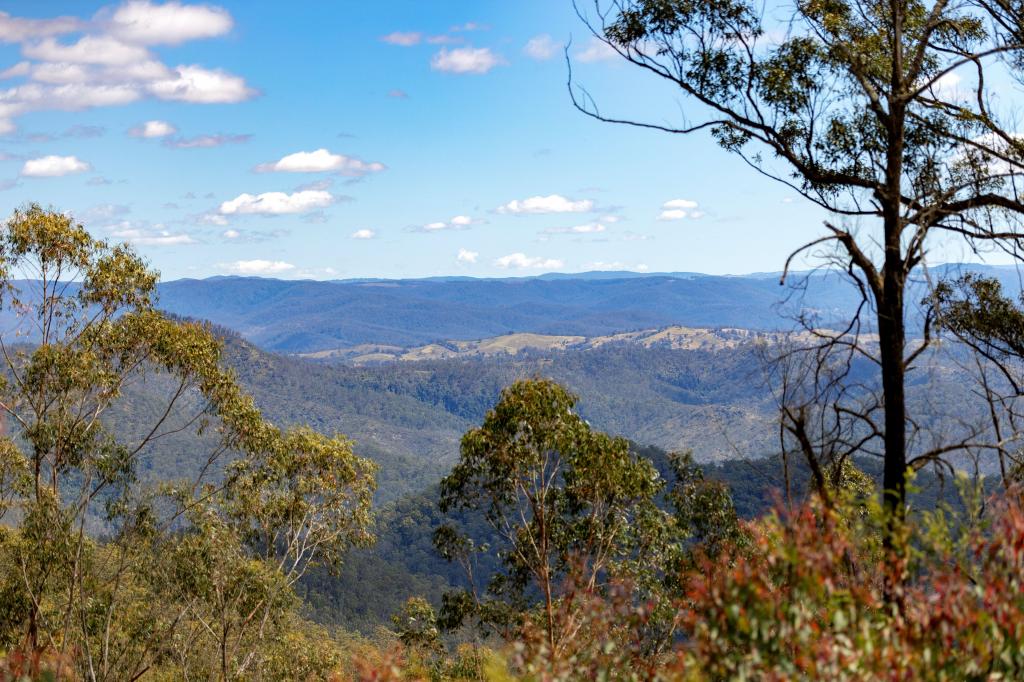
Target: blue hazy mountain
{"x": 303, "y": 316}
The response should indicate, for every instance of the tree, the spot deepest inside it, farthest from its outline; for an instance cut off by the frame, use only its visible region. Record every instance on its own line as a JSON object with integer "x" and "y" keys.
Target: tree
{"x": 560, "y": 497}
{"x": 92, "y": 562}
{"x": 848, "y": 102}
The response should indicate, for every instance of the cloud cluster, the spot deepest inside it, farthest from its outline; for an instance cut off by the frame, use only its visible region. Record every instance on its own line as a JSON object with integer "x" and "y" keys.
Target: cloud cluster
{"x": 151, "y": 129}
{"x": 520, "y": 261}
{"x": 677, "y": 209}
{"x": 110, "y": 63}
{"x": 277, "y": 203}
{"x": 145, "y": 235}
{"x": 475, "y": 60}
{"x": 364, "y": 234}
{"x": 53, "y": 166}
{"x": 459, "y": 222}
{"x": 553, "y": 203}
{"x": 321, "y": 161}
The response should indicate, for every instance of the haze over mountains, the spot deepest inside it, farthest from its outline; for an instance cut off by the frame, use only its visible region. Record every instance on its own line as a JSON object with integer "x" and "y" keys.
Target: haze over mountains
{"x": 308, "y": 316}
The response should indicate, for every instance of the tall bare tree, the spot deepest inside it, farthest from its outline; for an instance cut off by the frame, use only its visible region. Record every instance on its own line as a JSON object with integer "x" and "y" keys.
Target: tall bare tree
{"x": 885, "y": 113}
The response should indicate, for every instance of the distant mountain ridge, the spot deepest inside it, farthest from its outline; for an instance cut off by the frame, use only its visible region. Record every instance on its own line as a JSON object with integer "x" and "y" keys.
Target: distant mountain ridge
{"x": 675, "y": 337}
{"x": 305, "y": 316}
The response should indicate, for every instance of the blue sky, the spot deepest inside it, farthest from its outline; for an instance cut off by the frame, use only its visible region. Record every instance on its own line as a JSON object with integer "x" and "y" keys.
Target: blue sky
{"x": 390, "y": 139}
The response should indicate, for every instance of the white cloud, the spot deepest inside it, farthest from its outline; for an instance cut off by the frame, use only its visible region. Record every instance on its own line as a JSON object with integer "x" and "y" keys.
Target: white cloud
{"x": 320, "y": 161}
{"x": 258, "y": 266}
{"x": 144, "y": 236}
{"x": 553, "y": 203}
{"x": 521, "y": 261}
{"x": 18, "y": 29}
{"x": 53, "y": 166}
{"x": 459, "y": 222}
{"x": 467, "y": 256}
{"x": 403, "y": 39}
{"x": 364, "y": 234}
{"x": 476, "y": 60}
{"x": 677, "y": 209}
{"x": 541, "y": 47}
{"x": 596, "y": 50}
{"x": 171, "y": 23}
{"x": 202, "y": 86}
{"x": 87, "y": 50}
{"x": 110, "y": 64}
{"x": 586, "y": 228}
{"x": 277, "y": 203}
{"x": 153, "y": 129}
{"x": 19, "y": 69}
{"x": 680, "y": 203}
{"x": 231, "y": 234}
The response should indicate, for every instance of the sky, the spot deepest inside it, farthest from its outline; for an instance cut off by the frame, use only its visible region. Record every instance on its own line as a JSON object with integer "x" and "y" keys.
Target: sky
{"x": 397, "y": 138}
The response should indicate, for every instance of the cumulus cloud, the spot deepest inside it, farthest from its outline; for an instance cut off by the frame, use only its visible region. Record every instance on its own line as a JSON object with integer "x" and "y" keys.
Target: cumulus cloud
{"x": 258, "y": 266}
{"x": 467, "y": 256}
{"x": 364, "y": 234}
{"x": 321, "y": 161}
{"x": 521, "y": 261}
{"x": 18, "y": 29}
{"x": 153, "y": 129}
{"x": 541, "y": 47}
{"x": 86, "y": 50}
{"x": 110, "y": 64}
{"x": 231, "y": 234}
{"x": 403, "y": 39}
{"x": 53, "y": 166}
{"x": 677, "y": 209}
{"x": 205, "y": 141}
{"x": 553, "y": 203}
{"x": 19, "y": 69}
{"x": 170, "y": 23}
{"x": 476, "y": 60}
{"x": 201, "y": 86}
{"x": 459, "y": 222}
{"x": 277, "y": 203}
{"x": 586, "y": 228}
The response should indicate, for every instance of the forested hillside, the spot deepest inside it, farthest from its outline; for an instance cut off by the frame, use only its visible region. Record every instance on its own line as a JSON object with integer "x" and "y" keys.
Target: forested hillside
{"x": 409, "y": 416}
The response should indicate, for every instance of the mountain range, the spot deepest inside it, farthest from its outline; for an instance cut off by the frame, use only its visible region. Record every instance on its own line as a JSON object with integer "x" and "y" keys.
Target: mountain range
{"x": 304, "y": 316}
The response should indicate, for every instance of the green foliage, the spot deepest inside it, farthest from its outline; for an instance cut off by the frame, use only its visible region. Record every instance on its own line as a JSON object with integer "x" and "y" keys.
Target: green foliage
{"x": 559, "y": 496}
{"x": 122, "y": 578}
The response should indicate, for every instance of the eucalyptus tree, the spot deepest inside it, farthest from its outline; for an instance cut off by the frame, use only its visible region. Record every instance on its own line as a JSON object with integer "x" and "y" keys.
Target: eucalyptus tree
{"x": 888, "y": 114}
{"x": 560, "y": 499}
{"x": 91, "y": 553}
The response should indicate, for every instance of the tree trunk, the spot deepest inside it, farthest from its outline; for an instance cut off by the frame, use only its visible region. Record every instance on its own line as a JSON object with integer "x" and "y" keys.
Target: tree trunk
{"x": 891, "y": 337}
